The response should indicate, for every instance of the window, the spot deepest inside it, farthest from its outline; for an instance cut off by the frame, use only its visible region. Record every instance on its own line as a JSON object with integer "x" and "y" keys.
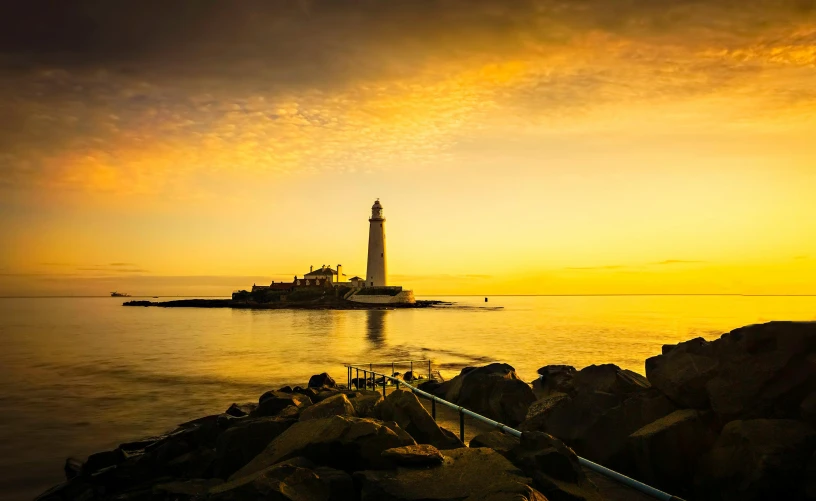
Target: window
{"x": 372, "y": 284}
{"x": 382, "y": 254}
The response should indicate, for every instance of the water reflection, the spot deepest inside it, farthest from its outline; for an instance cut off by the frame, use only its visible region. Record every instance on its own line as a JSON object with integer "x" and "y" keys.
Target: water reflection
{"x": 375, "y": 327}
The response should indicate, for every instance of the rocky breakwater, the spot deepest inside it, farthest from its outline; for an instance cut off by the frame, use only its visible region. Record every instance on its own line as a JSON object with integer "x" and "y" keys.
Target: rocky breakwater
{"x": 730, "y": 419}
{"x": 323, "y": 442}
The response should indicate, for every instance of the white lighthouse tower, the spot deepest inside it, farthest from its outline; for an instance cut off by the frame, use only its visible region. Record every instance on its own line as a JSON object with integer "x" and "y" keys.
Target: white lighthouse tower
{"x": 375, "y": 275}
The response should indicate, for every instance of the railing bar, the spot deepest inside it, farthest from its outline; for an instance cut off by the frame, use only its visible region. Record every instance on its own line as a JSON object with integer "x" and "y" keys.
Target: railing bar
{"x": 630, "y": 482}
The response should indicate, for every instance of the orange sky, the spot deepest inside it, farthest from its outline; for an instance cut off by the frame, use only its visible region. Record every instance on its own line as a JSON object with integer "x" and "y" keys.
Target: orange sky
{"x": 537, "y": 147}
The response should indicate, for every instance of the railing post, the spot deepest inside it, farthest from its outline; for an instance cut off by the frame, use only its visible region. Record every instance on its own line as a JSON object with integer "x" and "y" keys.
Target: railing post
{"x": 349, "y": 377}
{"x": 429, "y": 369}
{"x": 365, "y": 378}
{"x": 357, "y": 382}
{"x": 392, "y": 368}
{"x": 412, "y": 370}
{"x": 433, "y": 409}
{"x": 383, "y": 386}
{"x": 397, "y": 383}
{"x": 461, "y": 425}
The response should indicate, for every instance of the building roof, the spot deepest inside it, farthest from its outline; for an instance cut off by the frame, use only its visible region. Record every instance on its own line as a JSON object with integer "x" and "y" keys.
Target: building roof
{"x": 321, "y": 272}
{"x": 355, "y": 278}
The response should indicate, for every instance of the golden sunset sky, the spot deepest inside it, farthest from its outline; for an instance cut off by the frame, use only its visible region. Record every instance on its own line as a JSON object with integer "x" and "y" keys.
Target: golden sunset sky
{"x": 534, "y": 147}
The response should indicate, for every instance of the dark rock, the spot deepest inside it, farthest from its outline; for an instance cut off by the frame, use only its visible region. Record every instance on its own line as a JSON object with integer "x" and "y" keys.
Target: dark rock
{"x": 403, "y": 407}
{"x": 539, "y": 410}
{"x": 755, "y": 460}
{"x": 364, "y": 402}
{"x": 198, "y": 487}
{"x": 554, "y": 379}
{"x": 757, "y": 371}
{"x": 323, "y": 394}
{"x": 496, "y": 440}
{"x": 78, "y": 488}
{"x": 240, "y": 444}
{"x": 321, "y": 380}
{"x": 553, "y": 467}
{"x": 272, "y": 403}
{"x": 309, "y": 392}
{"x": 807, "y": 409}
{"x": 101, "y": 460}
{"x": 665, "y": 453}
{"x": 139, "y": 445}
{"x": 73, "y": 468}
{"x": 337, "y": 405}
{"x": 240, "y": 410}
{"x": 279, "y": 482}
{"x": 198, "y": 463}
{"x": 198, "y": 432}
{"x": 466, "y": 474}
{"x": 598, "y": 424}
{"x": 429, "y": 386}
{"x": 809, "y": 489}
{"x": 339, "y": 483}
{"x": 285, "y": 389}
{"x": 609, "y": 378}
{"x": 412, "y": 376}
{"x": 494, "y": 391}
{"x": 349, "y": 444}
{"x": 414, "y": 455}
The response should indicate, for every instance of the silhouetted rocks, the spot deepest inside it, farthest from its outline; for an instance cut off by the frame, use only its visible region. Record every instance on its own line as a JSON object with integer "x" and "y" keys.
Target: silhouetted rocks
{"x": 336, "y": 405}
{"x": 495, "y": 391}
{"x": 757, "y": 459}
{"x": 404, "y": 408}
{"x": 554, "y": 379}
{"x": 281, "y": 481}
{"x": 321, "y": 380}
{"x": 272, "y": 402}
{"x": 496, "y": 440}
{"x": 238, "y": 445}
{"x": 414, "y": 455}
{"x": 465, "y": 474}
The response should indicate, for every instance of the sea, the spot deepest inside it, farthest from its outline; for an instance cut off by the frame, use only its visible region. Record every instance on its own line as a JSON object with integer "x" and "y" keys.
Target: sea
{"x": 81, "y": 375}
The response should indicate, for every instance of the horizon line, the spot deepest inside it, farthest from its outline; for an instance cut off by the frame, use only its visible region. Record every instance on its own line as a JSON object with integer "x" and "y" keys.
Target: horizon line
{"x": 442, "y": 295}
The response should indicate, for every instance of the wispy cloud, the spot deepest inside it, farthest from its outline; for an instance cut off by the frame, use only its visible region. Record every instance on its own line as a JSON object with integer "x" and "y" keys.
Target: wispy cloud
{"x": 677, "y": 261}
{"x": 607, "y": 267}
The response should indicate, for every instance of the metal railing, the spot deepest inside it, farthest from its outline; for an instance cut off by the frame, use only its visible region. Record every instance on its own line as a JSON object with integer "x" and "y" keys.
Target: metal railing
{"x": 369, "y": 373}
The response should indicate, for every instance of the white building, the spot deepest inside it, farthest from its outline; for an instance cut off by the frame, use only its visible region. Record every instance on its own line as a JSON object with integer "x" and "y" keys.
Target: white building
{"x": 376, "y": 270}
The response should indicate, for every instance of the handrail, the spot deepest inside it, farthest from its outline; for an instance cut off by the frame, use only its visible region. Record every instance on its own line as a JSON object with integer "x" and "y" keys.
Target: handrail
{"x": 628, "y": 481}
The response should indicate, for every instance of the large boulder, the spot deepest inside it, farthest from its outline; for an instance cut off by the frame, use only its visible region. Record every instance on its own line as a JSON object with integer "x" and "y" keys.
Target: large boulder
{"x": 465, "y": 475}
{"x": 756, "y": 459}
{"x": 345, "y": 443}
{"x": 609, "y": 378}
{"x": 339, "y": 483}
{"x": 403, "y": 407}
{"x": 807, "y": 409}
{"x": 494, "y": 391}
{"x": 321, "y": 380}
{"x": 280, "y": 482}
{"x": 810, "y": 479}
{"x": 272, "y": 403}
{"x": 664, "y": 453}
{"x": 337, "y": 405}
{"x": 554, "y": 379}
{"x": 757, "y": 371}
{"x": 364, "y": 402}
{"x": 496, "y": 440}
{"x": 414, "y": 455}
{"x": 241, "y": 443}
{"x": 553, "y": 467}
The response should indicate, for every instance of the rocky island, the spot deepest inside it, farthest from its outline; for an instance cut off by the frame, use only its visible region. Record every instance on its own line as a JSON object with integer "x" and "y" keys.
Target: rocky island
{"x": 730, "y": 419}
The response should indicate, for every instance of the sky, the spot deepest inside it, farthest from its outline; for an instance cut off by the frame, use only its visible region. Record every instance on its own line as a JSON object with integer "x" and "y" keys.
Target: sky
{"x": 518, "y": 147}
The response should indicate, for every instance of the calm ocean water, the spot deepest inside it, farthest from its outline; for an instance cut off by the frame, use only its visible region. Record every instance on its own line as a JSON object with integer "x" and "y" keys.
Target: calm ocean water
{"x": 78, "y": 375}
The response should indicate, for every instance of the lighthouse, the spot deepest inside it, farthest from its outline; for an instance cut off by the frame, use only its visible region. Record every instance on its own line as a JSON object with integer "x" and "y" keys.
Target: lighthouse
{"x": 375, "y": 275}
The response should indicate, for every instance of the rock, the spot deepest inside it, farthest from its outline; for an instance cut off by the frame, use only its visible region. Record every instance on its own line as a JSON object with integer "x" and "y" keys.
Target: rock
{"x": 240, "y": 410}
{"x": 757, "y": 371}
{"x": 273, "y": 402}
{"x": 553, "y": 467}
{"x": 285, "y": 389}
{"x": 466, "y": 474}
{"x": 364, "y": 402}
{"x": 807, "y": 410}
{"x": 809, "y": 489}
{"x": 279, "y": 482}
{"x": 309, "y": 392}
{"x": 102, "y": 460}
{"x": 198, "y": 463}
{"x": 597, "y": 424}
{"x": 339, "y": 483}
{"x": 495, "y": 391}
{"x": 73, "y": 468}
{"x": 240, "y": 444}
{"x": 321, "y": 380}
{"x": 496, "y": 440}
{"x": 554, "y": 379}
{"x": 403, "y": 407}
{"x": 414, "y": 455}
{"x": 544, "y": 405}
{"x": 196, "y": 487}
{"x": 609, "y": 378}
{"x": 412, "y": 376}
{"x": 75, "y": 489}
{"x": 345, "y": 443}
{"x": 337, "y": 405}
{"x": 756, "y": 459}
{"x": 323, "y": 394}
{"x": 430, "y": 386}
{"x": 664, "y": 453}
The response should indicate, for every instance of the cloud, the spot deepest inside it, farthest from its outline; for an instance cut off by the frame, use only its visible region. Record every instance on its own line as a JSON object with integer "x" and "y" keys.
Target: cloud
{"x": 677, "y": 261}
{"x": 607, "y": 267}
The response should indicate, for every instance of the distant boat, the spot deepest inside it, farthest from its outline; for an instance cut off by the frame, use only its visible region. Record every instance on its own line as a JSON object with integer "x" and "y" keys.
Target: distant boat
{"x": 119, "y": 294}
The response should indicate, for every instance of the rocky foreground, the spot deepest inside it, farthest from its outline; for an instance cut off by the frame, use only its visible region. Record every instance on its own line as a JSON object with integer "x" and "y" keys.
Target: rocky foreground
{"x": 731, "y": 419}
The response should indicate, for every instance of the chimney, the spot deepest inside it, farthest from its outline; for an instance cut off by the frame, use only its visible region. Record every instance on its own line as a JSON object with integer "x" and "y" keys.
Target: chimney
{"x": 339, "y": 272}
{"x": 311, "y": 268}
